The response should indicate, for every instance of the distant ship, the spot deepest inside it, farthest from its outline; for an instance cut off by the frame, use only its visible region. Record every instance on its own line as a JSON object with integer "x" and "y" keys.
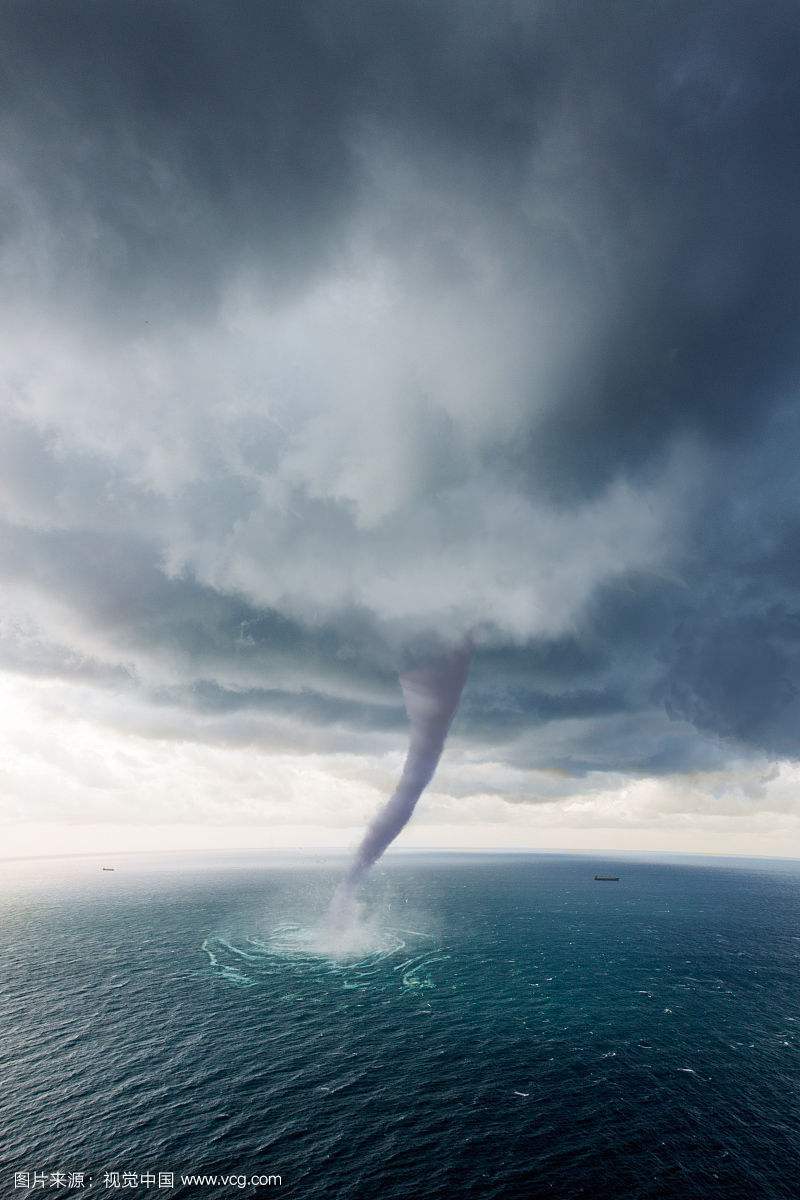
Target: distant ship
{"x": 106, "y": 868}
{"x": 608, "y": 878}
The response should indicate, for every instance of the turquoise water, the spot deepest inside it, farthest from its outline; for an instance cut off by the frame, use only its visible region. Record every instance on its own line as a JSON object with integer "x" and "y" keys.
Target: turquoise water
{"x": 502, "y": 1027}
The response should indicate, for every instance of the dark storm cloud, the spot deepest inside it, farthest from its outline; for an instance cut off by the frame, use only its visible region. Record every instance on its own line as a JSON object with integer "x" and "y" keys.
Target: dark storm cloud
{"x": 571, "y": 426}
{"x": 733, "y": 657}
{"x": 171, "y": 139}
{"x": 135, "y": 614}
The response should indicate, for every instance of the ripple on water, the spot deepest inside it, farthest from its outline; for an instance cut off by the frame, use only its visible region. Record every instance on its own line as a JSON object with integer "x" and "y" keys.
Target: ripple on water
{"x": 355, "y": 958}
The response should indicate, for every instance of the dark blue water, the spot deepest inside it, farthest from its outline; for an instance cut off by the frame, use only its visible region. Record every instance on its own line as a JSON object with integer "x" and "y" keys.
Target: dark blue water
{"x": 510, "y": 1028}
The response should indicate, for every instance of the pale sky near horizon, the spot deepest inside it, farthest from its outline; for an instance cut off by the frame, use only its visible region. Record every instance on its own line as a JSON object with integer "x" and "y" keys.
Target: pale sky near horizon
{"x": 335, "y": 332}
{"x": 84, "y": 788}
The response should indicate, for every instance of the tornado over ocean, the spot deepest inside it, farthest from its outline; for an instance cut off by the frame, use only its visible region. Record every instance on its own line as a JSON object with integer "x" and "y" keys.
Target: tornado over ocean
{"x": 400, "y": 598}
{"x": 431, "y": 694}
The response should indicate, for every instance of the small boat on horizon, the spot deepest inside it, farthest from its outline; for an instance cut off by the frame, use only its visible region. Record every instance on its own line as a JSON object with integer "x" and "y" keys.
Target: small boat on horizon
{"x": 607, "y": 878}
{"x": 106, "y": 868}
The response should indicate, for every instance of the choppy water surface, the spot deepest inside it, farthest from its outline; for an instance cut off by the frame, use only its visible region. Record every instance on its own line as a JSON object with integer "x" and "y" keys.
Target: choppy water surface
{"x": 498, "y": 1026}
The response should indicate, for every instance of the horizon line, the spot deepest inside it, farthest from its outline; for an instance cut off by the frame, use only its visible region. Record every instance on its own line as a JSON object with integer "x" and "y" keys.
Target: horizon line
{"x": 339, "y": 852}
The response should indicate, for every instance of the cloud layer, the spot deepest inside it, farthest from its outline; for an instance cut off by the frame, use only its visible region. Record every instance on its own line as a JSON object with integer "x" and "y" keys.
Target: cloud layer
{"x": 336, "y": 331}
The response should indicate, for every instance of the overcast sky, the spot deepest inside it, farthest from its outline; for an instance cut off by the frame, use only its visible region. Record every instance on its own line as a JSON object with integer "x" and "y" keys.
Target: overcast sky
{"x": 336, "y": 331}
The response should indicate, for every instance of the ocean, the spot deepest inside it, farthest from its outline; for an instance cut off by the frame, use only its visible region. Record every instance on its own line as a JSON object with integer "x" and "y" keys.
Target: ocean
{"x": 504, "y": 1026}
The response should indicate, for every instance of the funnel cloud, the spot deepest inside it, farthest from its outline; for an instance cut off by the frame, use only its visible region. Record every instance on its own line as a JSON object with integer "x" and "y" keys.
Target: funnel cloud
{"x": 431, "y": 694}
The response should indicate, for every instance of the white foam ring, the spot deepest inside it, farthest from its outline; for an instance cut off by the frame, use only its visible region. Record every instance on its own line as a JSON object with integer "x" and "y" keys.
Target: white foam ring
{"x": 356, "y": 958}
